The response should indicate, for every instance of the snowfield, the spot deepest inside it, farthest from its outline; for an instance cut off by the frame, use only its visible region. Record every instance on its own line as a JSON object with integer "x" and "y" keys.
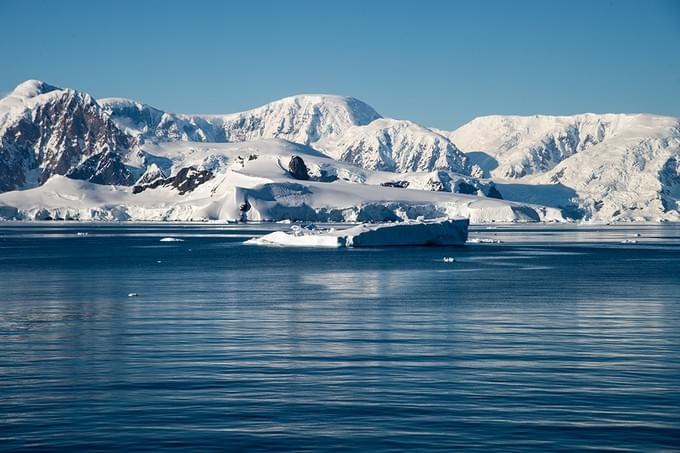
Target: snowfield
{"x": 66, "y": 155}
{"x": 257, "y": 173}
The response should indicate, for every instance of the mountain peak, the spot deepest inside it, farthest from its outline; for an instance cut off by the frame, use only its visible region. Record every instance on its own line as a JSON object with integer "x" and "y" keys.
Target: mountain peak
{"x": 32, "y": 88}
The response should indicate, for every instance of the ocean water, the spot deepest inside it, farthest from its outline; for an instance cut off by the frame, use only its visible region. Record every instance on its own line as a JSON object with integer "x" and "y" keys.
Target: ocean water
{"x": 558, "y": 338}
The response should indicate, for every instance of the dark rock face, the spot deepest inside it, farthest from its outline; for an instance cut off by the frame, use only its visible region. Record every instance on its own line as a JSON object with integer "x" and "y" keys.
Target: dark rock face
{"x": 670, "y": 183}
{"x": 397, "y": 184}
{"x": 186, "y": 180}
{"x": 494, "y": 193}
{"x": 465, "y": 188}
{"x": 436, "y": 185}
{"x": 104, "y": 168}
{"x": 55, "y": 136}
{"x": 327, "y": 177}
{"x": 298, "y": 169}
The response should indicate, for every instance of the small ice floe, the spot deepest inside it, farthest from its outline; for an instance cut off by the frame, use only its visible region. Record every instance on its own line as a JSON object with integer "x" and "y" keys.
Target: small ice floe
{"x": 159, "y": 261}
{"x": 629, "y": 241}
{"x": 172, "y": 240}
{"x": 82, "y": 233}
{"x": 285, "y": 221}
{"x": 449, "y": 259}
{"x": 133, "y": 294}
{"x": 636, "y": 235}
{"x": 485, "y": 241}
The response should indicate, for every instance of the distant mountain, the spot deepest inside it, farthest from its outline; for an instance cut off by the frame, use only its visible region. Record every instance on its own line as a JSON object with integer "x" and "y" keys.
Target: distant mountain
{"x": 343, "y": 127}
{"x": 618, "y": 166}
{"x": 395, "y": 145}
{"x": 303, "y": 119}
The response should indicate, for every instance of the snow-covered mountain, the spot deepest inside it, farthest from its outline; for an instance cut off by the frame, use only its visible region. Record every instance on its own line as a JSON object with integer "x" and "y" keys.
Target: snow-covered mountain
{"x": 303, "y": 119}
{"x": 395, "y": 145}
{"x": 343, "y": 127}
{"x": 612, "y": 166}
{"x": 47, "y": 131}
{"x": 157, "y": 164}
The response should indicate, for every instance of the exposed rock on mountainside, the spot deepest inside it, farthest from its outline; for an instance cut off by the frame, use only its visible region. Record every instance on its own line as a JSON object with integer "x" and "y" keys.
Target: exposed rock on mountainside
{"x": 298, "y": 169}
{"x": 47, "y": 131}
{"x": 186, "y": 180}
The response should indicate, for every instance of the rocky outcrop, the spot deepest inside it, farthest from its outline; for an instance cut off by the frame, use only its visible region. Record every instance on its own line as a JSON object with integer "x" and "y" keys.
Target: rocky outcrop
{"x": 105, "y": 168}
{"x": 186, "y": 180}
{"x": 298, "y": 169}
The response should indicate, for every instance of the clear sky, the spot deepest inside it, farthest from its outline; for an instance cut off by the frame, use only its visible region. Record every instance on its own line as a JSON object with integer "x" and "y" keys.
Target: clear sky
{"x": 439, "y": 63}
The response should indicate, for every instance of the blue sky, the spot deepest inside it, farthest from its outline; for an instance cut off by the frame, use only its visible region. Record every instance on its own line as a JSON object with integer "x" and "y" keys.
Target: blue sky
{"x": 439, "y": 63}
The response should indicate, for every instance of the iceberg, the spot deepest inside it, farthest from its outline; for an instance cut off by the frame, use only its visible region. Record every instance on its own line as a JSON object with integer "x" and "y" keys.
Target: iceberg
{"x": 170, "y": 239}
{"x": 408, "y": 233}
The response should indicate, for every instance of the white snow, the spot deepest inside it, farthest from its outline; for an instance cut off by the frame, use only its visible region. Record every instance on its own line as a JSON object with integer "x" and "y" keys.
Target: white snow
{"x": 170, "y": 239}
{"x": 268, "y": 187}
{"x": 395, "y": 145}
{"x": 620, "y": 167}
{"x": 407, "y": 233}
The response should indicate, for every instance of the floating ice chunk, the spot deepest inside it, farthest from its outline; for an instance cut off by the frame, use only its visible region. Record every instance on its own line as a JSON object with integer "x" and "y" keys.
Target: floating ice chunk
{"x": 485, "y": 241}
{"x": 449, "y": 259}
{"x": 133, "y": 294}
{"x": 431, "y": 232}
{"x": 82, "y": 233}
{"x": 172, "y": 240}
{"x": 629, "y": 241}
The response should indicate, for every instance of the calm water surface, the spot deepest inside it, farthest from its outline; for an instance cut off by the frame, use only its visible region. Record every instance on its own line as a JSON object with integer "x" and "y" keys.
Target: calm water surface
{"x": 559, "y": 338}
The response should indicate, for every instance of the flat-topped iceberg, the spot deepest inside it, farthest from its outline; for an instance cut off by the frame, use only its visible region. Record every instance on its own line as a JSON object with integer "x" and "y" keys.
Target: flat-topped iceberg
{"x": 408, "y": 233}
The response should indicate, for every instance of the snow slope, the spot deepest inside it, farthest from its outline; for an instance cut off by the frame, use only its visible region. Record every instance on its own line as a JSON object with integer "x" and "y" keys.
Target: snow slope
{"x": 256, "y": 173}
{"x": 397, "y": 146}
{"x": 616, "y": 167}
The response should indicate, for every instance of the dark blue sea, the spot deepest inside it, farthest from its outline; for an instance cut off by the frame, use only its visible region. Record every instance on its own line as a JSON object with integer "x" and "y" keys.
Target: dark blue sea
{"x": 557, "y": 338}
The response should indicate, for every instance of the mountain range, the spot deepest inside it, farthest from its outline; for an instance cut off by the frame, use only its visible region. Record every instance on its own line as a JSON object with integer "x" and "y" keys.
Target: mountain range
{"x": 66, "y": 155}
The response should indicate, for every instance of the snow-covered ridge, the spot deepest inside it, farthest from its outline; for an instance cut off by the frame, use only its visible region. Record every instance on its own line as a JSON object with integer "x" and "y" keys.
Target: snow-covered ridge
{"x": 395, "y": 145}
{"x": 303, "y": 119}
{"x": 615, "y": 166}
{"x": 343, "y": 127}
{"x": 526, "y": 145}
